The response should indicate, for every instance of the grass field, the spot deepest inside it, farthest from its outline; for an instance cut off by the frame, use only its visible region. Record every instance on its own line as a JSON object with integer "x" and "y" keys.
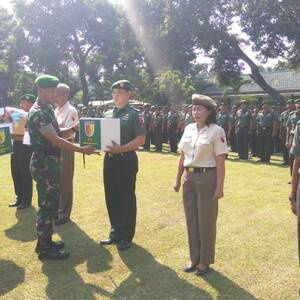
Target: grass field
{"x": 256, "y": 245}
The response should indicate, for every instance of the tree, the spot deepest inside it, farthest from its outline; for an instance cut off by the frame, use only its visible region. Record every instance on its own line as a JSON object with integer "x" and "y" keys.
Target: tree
{"x": 65, "y": 34}
{"x": 212, "y": 21}
{"x": 273, "y": 27}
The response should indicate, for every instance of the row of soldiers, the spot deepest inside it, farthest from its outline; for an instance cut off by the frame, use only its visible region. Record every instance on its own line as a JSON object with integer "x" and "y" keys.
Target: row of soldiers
{"x": 263, "y": 130}
{"x": 259, "y": 130}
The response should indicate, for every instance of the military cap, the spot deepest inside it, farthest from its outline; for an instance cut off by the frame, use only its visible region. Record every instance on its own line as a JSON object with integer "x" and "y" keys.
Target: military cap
{"x": 122, "y": 84}
{"x": 28, "y": 97}
{"x": 198, "y": 99}
{"x": 47, "y": 81}
{"x": 290, "y": 101}
{"x": 297, "y": 100}
{"x": 244, "y": 102}
{"x": 146, "y": 105}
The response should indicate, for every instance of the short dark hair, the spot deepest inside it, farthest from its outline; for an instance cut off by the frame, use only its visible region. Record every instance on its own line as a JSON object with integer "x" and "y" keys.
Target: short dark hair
{"x": 212, "y": 117}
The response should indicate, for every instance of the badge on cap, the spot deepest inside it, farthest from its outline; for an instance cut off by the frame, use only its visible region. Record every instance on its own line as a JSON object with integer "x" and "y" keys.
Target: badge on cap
{"x": 122, "y": 85}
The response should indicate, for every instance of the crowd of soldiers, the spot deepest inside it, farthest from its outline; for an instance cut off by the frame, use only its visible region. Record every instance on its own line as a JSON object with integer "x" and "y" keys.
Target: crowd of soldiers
{"x": 252, "y": 130}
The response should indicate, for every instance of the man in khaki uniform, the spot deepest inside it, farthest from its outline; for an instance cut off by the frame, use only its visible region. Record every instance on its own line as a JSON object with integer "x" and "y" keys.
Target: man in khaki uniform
{"x": 67, "y": 117}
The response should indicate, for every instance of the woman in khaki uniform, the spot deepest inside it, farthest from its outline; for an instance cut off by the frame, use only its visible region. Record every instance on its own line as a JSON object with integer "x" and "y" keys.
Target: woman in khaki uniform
{"x": 203, "y": 148}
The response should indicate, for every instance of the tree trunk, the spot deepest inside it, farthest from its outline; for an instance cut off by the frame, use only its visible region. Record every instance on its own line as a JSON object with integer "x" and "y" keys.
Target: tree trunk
{"x": 256, "y": 76}
{"x": 80, "y": 61}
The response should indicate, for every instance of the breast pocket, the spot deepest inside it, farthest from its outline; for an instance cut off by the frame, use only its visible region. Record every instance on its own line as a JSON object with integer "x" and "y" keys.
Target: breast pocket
{"x": 203, "y": 144}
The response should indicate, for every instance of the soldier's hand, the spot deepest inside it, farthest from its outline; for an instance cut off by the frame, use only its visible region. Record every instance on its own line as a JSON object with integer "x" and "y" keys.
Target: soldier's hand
{"x": 114, "y": 149}
{"x": 177, "y": 186}
{"x": 88, "y": 150}
{"x": 218, "y": 194}
{"x": 287, "y": 146}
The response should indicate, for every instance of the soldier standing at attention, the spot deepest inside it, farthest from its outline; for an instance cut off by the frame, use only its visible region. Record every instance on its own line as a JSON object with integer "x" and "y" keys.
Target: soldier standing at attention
{"x": 46, "y": 142}
{"x": 243, "y": 120}
{"x": 188, "y": 117}
{"x": 121, "y": 167}
{"x": 292, "y": 121}
{"x": 267, "y": 126}
{"x": 223, "y": 119}
{"x": 253, "y": 137}
{"x": 147, "y": 121}
{"x": 232, "y": 133}
{"x": 157, "y": 128}
{"x": 284, "y": 116}
{"x": 20, "y": 159}
{"x": 165, "y": 113}
{"x": 173, "y": 128}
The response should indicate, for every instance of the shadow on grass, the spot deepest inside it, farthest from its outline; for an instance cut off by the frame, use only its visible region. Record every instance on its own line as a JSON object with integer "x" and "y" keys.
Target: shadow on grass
{"x": 253, "y": 162}
{"x": 225, "y": 287}
{"x": 151, "y": 280}
{"x": 64, "y": 281}
{"x": 24, "y": 230}
{"x": 11, "y": 276}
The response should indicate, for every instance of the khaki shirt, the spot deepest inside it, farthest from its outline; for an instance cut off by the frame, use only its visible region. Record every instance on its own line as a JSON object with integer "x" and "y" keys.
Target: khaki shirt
{"x": 66, "y": 117}
{"x": 201, "y": 147}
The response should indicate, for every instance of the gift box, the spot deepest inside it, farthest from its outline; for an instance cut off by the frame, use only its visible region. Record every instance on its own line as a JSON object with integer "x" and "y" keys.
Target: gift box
{"x": 99, "y": 132}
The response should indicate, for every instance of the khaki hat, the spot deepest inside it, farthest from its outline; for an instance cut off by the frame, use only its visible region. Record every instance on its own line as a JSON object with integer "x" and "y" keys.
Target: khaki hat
{"x": 203, "y": 100}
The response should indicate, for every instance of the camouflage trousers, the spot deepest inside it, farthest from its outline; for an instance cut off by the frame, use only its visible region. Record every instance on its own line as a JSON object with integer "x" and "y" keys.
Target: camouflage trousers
{"x": 46, "y": 173}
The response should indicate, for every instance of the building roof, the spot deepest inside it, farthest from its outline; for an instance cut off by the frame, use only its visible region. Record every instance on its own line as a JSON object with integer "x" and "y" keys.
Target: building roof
{"x": 283, "y": 81}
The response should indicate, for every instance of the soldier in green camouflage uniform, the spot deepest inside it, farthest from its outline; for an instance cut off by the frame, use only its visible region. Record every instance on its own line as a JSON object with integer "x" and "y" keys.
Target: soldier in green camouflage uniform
{"x": 45, "y": 165}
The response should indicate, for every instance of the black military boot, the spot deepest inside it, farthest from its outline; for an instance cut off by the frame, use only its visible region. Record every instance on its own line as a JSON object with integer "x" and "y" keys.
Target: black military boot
{"x": 58, "y": 245}
{"x": 47, "y": 251}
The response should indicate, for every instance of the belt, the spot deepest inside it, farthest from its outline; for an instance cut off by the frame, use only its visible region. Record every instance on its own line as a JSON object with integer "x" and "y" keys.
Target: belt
{"x": 199, "y": 170}
{"x": 265, "y": 128}
{"x": 120, "y": 154}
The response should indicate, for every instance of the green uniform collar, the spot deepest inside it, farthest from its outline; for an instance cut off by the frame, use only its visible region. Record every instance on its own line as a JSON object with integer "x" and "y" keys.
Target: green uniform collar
{"x": 43, "y": 104}
{"x": 125, "y": 108}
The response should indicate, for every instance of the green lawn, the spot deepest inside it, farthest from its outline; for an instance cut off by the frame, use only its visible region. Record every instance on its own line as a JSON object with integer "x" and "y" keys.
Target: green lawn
{"x": 256, "y": 244}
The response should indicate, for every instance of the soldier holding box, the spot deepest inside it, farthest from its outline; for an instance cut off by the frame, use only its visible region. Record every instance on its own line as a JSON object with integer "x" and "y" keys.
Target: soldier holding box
{"x": 121, "y": 167}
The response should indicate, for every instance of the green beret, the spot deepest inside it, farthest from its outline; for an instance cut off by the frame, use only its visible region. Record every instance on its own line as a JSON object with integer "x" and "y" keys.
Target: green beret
{"x": 290, "y": 101}
{"x": 297, "y": 100}
{"x": 47, "y": 81}
{"x": 122, "y": 84}
{"x": 28, "y": 97}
